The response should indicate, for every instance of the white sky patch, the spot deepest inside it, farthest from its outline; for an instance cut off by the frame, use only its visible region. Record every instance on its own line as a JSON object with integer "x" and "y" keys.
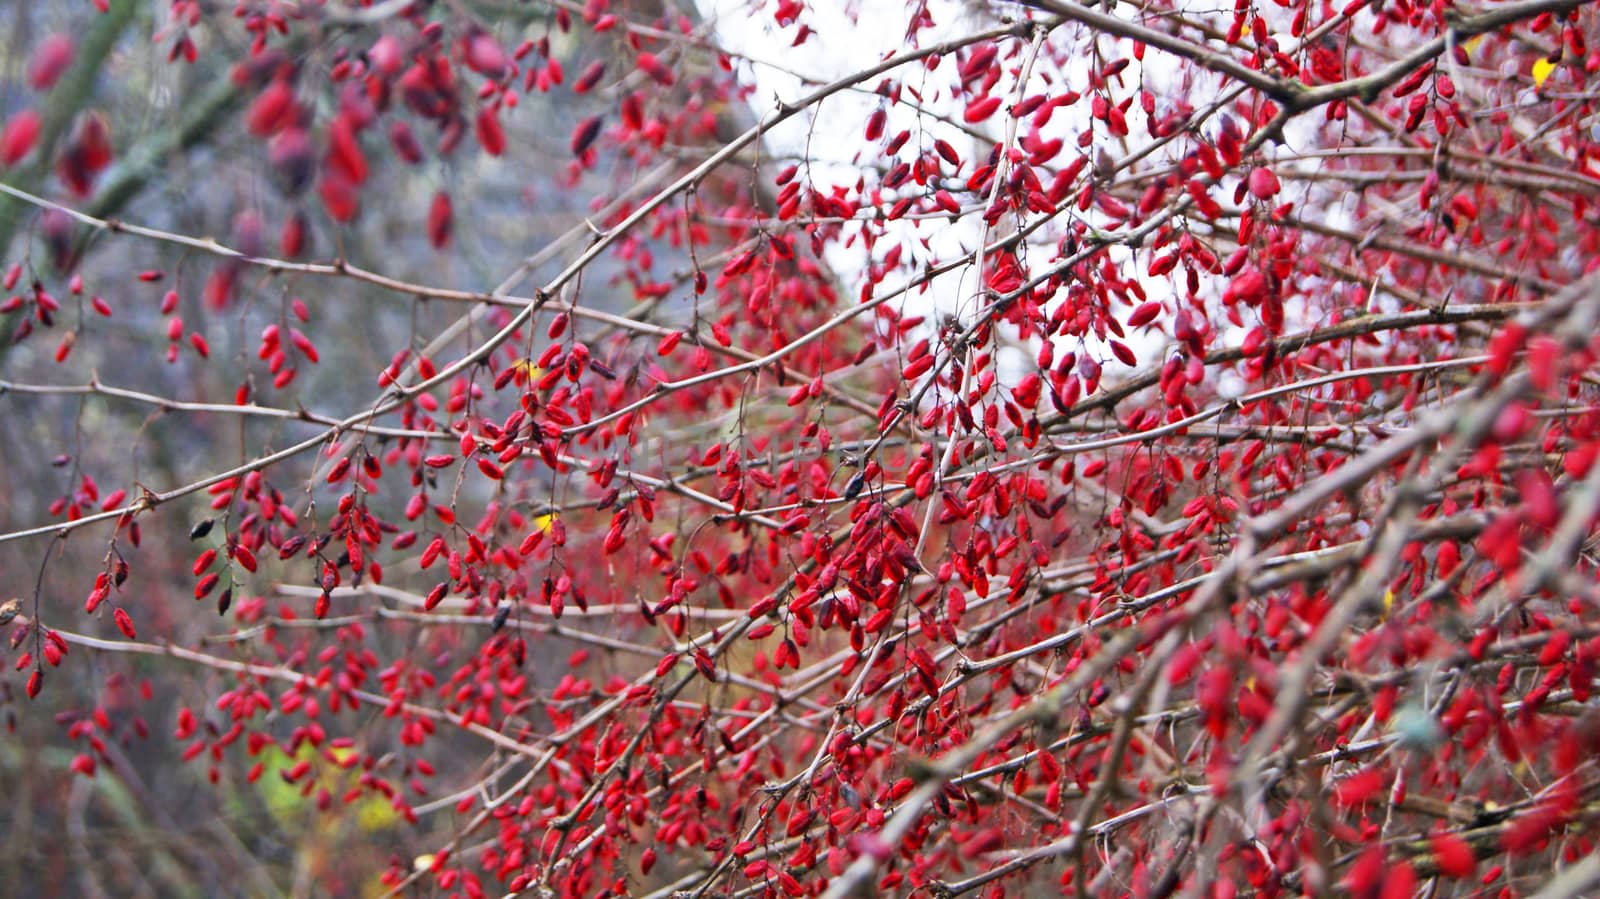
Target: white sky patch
{"x": 828, "y": 142}
{"x": 829, "y": 137}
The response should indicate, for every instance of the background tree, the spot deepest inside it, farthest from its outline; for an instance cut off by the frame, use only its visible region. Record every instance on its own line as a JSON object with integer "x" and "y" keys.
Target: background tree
{"x": 800, "y": 449}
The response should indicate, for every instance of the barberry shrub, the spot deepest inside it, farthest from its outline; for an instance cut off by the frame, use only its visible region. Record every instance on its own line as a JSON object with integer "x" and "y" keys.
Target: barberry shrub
{"x": 789, "y": 448}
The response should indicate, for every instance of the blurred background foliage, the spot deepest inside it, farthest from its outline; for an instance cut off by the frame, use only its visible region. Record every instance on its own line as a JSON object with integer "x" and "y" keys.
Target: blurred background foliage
{"x": 230, "y": 824}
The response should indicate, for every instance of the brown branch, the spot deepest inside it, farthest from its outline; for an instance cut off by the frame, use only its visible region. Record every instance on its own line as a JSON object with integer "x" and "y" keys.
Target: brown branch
{"x": 275, "y": 672}
{"x": 1284, "y": 91}
{"x": 1458, "y": 30}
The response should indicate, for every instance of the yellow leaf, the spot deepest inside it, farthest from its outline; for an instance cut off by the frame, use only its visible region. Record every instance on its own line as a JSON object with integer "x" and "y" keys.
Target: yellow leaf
{"x": 373, "y": 813}
{"x": 1388, "y": 602}
{"x": 1541, "y": 70}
